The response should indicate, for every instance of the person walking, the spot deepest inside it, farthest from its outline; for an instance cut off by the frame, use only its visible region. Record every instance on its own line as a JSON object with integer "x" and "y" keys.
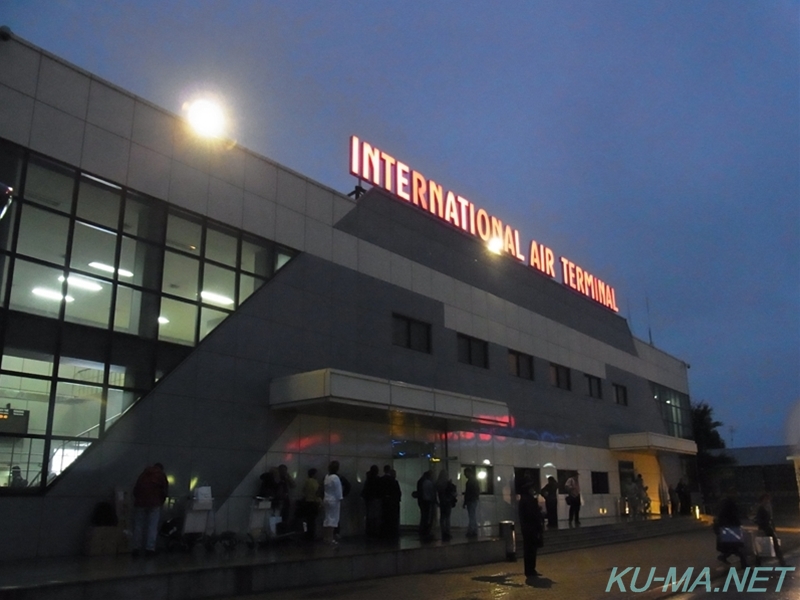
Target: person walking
{"x": 573, "y": 487}
{"x": 472, "y": 492}
{"x": 767, "y": 528}
{"x": 531, "y": 523}
{"x": 446, "y": 492}
{"x": 728, "y": 527}
{"x": 331, "y": 502}
{"x": 550, "y": 493}
{"x": 149, "y": 494}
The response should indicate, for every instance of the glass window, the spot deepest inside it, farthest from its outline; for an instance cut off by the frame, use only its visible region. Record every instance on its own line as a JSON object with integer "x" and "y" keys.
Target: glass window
{"x": 595, "y": 387}
{"x": 256, "y": 257}
{"x": 221, "y": 245}
{"x": 77, "y": 410}
{"x": 281, "y": 258}
{"x": 144, "y": 217}
{"x": 600, "y": 482}
{"x": 209, "y": 319}
{"x": 63, "y": 453}
{"x": 248, "y": 285}
{"x": 99, "y": 202}
{"x": 410, "y": 333}
{"x": 7, "y": 227}
{"x": 92, "y": 247}
{"x": 43, "y": 235}
{"x": 91, "y": 303}
{"x": 118, "y": 402}
{"x": 37, "y": 289}
{"x": 219, "y": 286}
{"x": 30, "y": 344}
{"x": 49, "y": 184}
{"x": 132, "y": 364}
{"x": 177, "y": 321}
{"x": 140, "y": 263}
{"x": 11, "y": 166}
{"x": 136, "y": 312}
{"x": 473, "y": 351}
{"x": 180, "y": 275}
{"x": 621, "y": 394}
{"x": 560, "y": 376}
{"x": 29, "y": 399}
{"x": 184, "y": 234}
{"x": 21, "y": 462}
{"x": 520, "y": 365}
{"x": 484, "y": 476}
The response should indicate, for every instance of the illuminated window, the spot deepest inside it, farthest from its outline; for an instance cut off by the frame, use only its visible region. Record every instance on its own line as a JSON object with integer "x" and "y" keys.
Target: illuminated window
{"x": 520, "y": 365}
{"x": 675, "y": 410}
{"x": 621, "y": 394}
{"x": 411, "y": 334}
{"x": 472, "y": 351}
{"x": 560, "y": 376}
{"x": 595, "y": 386}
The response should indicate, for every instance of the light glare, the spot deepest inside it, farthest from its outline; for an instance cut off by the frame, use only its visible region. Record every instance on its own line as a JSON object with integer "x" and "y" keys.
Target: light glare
{"x": 51, "y": 294}
{"x": 206, "y": 118}
{"x": 216, "y": 298}
{"x": 495, "y": 245}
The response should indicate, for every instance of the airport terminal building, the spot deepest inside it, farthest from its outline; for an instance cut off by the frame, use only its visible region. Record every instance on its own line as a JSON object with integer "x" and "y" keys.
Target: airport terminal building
{"x": 166, "y": 297}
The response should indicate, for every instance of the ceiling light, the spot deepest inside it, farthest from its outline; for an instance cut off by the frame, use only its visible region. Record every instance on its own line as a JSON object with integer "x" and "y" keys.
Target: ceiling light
{"x": 163, "y": 320}
{"x": 216, "y": 298}
{"x": 81, "y": 283}
{"x": 109, "y": 269}
{"x": 51, "y": 294}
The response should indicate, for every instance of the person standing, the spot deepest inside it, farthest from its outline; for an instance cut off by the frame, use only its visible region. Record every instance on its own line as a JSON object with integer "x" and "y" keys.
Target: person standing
{"x": 573, "y": 487}
{"x": 331, "y": 502}
{"x": 550, "y": 493}
{"x": 472, "y": 492}
{"x": 390, "y": 508}
{"x": 446, "y": 492}
{"x": 149, "y": 494}
{"x": 765, "y": 525}
{"x": 373, "y": 499}
{"x": 684, "y": 496}
{"x": 531, "y": 523}
{"x": 309, "y": 505}
{"x": 426, "y": 500}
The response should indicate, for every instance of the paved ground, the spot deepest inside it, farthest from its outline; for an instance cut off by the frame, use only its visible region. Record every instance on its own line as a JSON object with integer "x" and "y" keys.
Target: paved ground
{"x": 574, "y": 575}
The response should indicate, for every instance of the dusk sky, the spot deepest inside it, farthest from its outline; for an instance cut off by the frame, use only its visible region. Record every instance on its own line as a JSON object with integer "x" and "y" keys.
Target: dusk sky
{"x": 656, "y": 144}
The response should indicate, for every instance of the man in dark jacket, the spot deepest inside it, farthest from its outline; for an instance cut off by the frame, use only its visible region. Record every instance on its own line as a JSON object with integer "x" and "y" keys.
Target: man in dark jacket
{"x": 426, "y": 500}
{"x": 550, "y": 493}
{"x": 149, "y": 494}
{"x": 531, "y": 522}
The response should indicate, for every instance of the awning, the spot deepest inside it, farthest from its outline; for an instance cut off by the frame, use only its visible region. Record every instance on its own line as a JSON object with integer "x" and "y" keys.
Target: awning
{"x": 647, "y": 441}
{"x": 332, "y": 386}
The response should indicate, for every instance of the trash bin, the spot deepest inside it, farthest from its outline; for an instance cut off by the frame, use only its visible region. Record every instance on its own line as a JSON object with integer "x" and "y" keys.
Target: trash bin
{"x": 510, "y": 538}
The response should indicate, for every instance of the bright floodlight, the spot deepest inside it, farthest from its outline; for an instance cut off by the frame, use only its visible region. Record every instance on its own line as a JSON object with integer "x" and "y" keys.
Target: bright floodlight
{"x": 206, "y": 118}
{"x": 496, "y": 245}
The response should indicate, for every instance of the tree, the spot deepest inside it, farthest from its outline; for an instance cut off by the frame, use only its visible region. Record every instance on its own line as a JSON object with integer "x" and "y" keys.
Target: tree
{"x": 707, "y": 439}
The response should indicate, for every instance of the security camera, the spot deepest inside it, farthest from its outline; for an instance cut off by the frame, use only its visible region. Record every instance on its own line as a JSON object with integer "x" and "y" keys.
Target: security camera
{"x": 5, "y": 33}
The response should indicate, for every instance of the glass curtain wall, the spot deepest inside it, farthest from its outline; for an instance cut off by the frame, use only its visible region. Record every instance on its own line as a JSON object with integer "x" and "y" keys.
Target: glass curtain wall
{"x": 676, "y": 410}
{"x": 104, "y": 290}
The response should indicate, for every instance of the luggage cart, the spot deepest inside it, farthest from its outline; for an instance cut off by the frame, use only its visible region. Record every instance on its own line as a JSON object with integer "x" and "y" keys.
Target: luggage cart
{"x": 264, "y": 525}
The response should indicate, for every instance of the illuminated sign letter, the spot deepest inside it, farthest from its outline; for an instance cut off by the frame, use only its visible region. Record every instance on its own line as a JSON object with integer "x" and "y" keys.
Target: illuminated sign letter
{"x": 549, "y": 259}
{"x": 484, "y": 226}
{"x": 435, "y": 196}
{"x": 508, "y": 241}
{"x": 535, "y": 261}
{"x": 355, "y": 160}
{"x": 464, "y": 205}
{"x": 370, "y": 164}
{"x": 450, "y": 210}
{"x": 497, "y": 228}
{"x": 388, "y": 163}
{"x": 402, "y": 181}
{"x": 419, "y": 190}
{"x": 517, "y": 253}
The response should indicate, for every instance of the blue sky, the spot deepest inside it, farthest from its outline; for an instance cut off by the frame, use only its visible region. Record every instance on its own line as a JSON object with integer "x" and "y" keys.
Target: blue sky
{"x": 656, "y": 144}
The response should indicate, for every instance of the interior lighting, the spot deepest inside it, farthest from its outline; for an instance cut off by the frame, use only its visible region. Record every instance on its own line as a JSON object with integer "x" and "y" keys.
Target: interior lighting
{"x": 495, "y": 245}
{"x": 486, "y": 461}
{"x": 51, "y": 294}
{"x": 216, "y": 298}
{"x": 109, "y": 269}
{"x": 81, "y": 283}
{"x": 206, "y": 117}
{"x": 163, "y": 320}
{"x": 481, "y": 474}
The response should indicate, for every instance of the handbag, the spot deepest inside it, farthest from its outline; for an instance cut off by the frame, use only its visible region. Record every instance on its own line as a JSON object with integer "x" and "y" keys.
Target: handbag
{"x": 731, "y": 535}
{"x": 763, "y": 546}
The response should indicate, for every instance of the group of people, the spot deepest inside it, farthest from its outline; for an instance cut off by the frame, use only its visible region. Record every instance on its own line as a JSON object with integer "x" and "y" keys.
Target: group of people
{"x": 443, "y": 494}
{"x": 637, "y": 498}
{"x": 381, "y": 495}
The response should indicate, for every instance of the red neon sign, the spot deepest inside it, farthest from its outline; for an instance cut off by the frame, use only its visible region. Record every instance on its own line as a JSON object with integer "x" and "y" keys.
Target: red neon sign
{"x": 384, "y": 171}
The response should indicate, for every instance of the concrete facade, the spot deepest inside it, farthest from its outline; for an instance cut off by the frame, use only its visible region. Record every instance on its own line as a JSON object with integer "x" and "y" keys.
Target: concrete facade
{"x": 359, "y": 262}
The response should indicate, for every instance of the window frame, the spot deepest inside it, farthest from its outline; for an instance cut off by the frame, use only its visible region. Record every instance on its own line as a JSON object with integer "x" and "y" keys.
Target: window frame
{"x": 560, "y": 376}
{"x": 408, "y": 341}
{"x": 620, "y": 394}
{"x": 516, "y": 358}
{"x": 596, "y": 390}
{"x": 471, "y": 344}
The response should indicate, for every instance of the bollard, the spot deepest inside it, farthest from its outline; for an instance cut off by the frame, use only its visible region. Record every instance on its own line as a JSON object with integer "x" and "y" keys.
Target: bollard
{"x": 507, "y": 534}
